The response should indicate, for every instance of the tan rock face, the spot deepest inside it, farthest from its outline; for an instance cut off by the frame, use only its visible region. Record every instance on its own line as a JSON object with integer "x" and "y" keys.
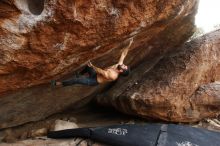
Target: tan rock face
{"x": 169, "y": 90}
{"x": 54, "y": 38}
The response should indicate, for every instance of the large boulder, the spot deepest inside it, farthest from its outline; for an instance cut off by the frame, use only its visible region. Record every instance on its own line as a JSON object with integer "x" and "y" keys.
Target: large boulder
{"x": 42, "y": 40}
{"x": 180, "y": 88}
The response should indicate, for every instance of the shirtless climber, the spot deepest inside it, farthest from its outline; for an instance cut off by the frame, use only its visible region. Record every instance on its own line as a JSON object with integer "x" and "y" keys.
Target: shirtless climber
{"x": 98, "y": 75}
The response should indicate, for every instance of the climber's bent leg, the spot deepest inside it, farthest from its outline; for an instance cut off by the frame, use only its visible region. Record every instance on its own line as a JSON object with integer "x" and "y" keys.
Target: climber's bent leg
{"x": 89, "y": 70}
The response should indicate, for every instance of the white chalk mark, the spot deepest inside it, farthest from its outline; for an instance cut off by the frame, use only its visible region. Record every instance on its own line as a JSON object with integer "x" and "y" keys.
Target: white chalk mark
{"x": 135, "y": 95}
{"x": 113, "y": 11}
{"x": 96, "y": 48}
{"x": 186, "y": 143}
{"x": 143, "y": 24}
{"x": 62, "y": 46}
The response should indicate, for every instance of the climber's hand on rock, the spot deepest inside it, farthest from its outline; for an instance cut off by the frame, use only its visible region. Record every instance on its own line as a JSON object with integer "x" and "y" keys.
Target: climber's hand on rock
{"x": 89, "y": 63}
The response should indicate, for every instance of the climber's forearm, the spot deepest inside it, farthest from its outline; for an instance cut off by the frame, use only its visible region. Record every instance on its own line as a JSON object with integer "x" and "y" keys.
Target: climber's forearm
{"x": 124, "y": 54}
{"x": 99, "y": 70}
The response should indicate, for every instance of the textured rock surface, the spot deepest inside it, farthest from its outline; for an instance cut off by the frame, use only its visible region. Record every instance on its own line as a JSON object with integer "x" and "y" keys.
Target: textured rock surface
{"x": 169, "y": 90}
{"x": 52, "y": 142}
{"x": 37, "y": 46}
{"x": 206, "y": 100}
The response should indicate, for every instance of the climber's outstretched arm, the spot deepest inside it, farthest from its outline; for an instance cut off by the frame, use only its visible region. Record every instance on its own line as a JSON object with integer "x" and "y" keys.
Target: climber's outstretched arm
{"x": 124, "y": 53}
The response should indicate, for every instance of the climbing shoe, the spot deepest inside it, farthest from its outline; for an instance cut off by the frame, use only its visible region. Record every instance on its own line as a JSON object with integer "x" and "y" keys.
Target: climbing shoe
{"x": 53, "y": 83}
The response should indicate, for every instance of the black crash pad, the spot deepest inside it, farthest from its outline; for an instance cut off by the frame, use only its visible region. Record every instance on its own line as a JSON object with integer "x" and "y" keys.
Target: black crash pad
{"x": 144, "y": 135}
{"x": 177, "y": 135}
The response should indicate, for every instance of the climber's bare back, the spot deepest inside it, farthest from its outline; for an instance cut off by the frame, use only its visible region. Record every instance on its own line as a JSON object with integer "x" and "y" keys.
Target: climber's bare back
{"x": 111, "y": 75}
